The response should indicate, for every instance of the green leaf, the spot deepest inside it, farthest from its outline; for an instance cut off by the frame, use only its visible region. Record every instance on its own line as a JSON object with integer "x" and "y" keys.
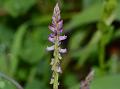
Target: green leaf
{"x": 99, "y": 72}
{"x": 70, "y": 80}
{"x": 15, "y": 50}
{"x": 3, "y": 63}
{"x": 87, "y": 16}
{"x": 88, "y": 3}
{"x": 118, "y": 12}
{"x": 113, "y": 64}
{"x": 34, "y": 47}
{"x": 5, "y": 84}
{"x": 2, "y": 84}
{"x": 91, "y": 48}
{"x": 18, "y": 7}
{"x": 6, "y": 36}
{"x": 38, "y": 20}
{"x": 107, "y": 82}
{"x": 117, "y": 34}
{"x": 77, "y": 86}
{"x": 77, "y": 39}
{"x": 36, "y": 84}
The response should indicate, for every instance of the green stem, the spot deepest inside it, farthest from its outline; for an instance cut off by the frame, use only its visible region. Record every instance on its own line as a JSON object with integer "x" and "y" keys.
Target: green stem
{"x": 55, "y": 73}
{"x": 18, "y": 86}
{"x": 55, "y": 85}
{"x": 102, "y": 55}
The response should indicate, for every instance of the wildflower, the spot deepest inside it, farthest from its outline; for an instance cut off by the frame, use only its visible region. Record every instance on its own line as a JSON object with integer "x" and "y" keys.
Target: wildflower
{"x": 56, "y": 37}
{"x": 86, "y": 83}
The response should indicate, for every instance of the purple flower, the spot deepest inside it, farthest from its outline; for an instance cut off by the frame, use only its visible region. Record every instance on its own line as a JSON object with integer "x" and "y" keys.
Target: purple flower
{"x": 57, "y": 28}
{"x": 55, "y": 37}
{"x": 59, "y": 70}
{"x": 63, "y": 50}
{"x": 62, "y": 37}
{"x": 51, "y": 48}
{"x": 51, "y": 39}
{"x": 86, "y": 83}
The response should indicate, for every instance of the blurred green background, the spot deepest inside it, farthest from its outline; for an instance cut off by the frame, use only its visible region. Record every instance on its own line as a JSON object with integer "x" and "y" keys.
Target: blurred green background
{"x": 93, "y": 30}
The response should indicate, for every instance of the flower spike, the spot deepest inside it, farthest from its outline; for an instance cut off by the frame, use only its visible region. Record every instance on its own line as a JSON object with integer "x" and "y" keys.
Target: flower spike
{"x": 55, "y": 37}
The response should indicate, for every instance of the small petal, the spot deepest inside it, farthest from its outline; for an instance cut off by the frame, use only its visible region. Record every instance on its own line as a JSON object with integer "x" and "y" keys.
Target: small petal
{"x": 54, "y": 20}
{"x": 52, "y": 61}
{"x": 51, "y": 39}
{"x": 59, "y": 17}
{"x": 51, "y": 28}
{"x": 59, "y": 43}
{"x": 59, "y": 56}
{"x": 52, "y": 68}
{"x": 52, "y": 81}
{"x": 52, "y": 35}
{"x": 60, "y": 24}
{"x": 62, "y": 37}
{"x": 56, "y": 10}
{"x": 51, "y": 48}
{"x": 59, "y": 70}
{"x": 58, "y": 83}
{"x": 61, "y": 30}
{"x": 63, "y": 50}
{"x": 53, "y": 75}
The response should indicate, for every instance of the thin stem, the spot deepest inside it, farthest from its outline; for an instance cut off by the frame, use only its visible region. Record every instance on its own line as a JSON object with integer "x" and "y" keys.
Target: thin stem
{"x": 55, "y": 85}
{"x": 102, "y": 55}
{"x": 56, "y": 74}
{"x": 104, "y": 25}
{"x": 11, "y": 80}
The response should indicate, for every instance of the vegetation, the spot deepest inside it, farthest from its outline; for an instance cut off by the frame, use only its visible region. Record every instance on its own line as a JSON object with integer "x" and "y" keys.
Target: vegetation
{"x": 93, "y": 43}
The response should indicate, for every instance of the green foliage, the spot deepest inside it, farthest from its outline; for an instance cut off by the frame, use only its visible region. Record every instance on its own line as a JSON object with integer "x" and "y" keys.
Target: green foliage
{"x": 16, "y": 47}
{"x": 24, "y": 38}
{"x": 70, "y": 80}
{"x": 5, "y": 84}
{"x": 90, "y": 15}
{"x": 107, "y": 82}
{"x": 74, "y": 42}
{"x": 17, "y": 7}
{"x": 36, "y": 84}
{"x": 5, "y": 41}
